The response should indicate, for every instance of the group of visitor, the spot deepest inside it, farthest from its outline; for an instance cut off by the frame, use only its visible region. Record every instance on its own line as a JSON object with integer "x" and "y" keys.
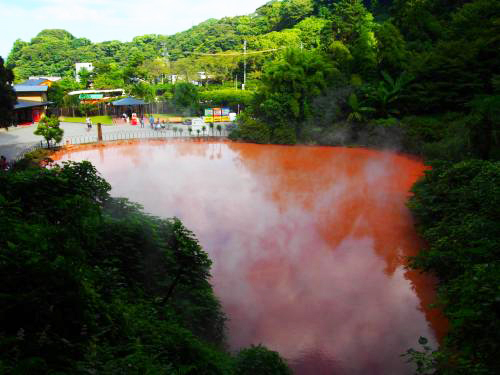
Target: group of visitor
{"x": 155, "y": 124}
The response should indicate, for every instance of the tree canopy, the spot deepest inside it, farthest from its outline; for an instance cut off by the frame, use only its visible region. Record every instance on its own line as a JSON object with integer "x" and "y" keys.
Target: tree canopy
{"x": 7, "y": 95}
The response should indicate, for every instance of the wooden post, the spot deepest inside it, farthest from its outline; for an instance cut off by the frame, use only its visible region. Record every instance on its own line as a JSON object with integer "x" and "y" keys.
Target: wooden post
{"x": 99, "y": 132}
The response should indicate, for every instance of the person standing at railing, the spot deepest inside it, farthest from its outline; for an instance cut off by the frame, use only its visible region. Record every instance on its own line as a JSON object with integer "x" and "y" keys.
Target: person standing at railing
{"x": 152, "y": 122}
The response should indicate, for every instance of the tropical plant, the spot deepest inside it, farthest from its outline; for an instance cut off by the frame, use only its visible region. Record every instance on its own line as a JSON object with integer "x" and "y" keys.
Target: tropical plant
{"x": 219, "y": 129}
{"x": 211, "y": 126}
{"x": 388, "y": 91}
{"x": 358, "y": 112}
{"x": 203, "y": 128}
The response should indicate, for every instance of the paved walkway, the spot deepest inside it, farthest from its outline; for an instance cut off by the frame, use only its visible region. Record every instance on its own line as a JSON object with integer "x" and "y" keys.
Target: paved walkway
{"x": 15, "y": 140}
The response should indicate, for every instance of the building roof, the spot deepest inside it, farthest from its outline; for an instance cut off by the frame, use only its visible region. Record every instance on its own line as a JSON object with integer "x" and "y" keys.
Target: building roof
{"x": 48, "y": 78}
{"x": 34, "y": 82}
{"x": 21, "y": 104}
{"x": 78, "y": 92}
{"x": 29, "y": 88}
{"x": 128, "y": 101}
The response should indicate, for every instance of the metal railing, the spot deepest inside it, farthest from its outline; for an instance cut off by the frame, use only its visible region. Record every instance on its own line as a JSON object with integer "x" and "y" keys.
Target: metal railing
{"x": 120, "y": 136}
{"x": 144, "y": 134}
{"x": 33, "y": 147}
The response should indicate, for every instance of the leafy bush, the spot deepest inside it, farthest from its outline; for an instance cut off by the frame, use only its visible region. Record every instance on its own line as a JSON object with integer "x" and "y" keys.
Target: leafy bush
{"x": 284, "y": 135}
{"x": 227, "y": 98}
{"x": 251, "y": 130}
{"x": 186, "y": 96}
{"x": 259, "y": 360}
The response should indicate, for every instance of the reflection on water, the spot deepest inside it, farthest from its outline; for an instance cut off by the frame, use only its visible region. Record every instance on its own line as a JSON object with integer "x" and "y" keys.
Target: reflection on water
{"x": 308, "y": 244}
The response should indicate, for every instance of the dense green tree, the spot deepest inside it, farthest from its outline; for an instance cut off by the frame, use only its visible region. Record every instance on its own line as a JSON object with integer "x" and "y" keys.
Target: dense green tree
{"x": 294, "y": 11}
{"x": 460, "y": 65}
{"x": 143, "y": 90}
{"x": 289, "y": 85}
{"x": 85, "y": 77}
{"x": 59, "y": 89}
{"x": 392, "y": 53}
{"x": 16, "y": 53}
{"x": 8, "y": 97}
{"x": 186, "y": 95}
{"x": 457, "y": 209}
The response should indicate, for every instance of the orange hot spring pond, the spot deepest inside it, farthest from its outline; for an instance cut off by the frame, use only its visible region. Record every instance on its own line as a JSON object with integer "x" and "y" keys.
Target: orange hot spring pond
{"x": 308, "y": 244}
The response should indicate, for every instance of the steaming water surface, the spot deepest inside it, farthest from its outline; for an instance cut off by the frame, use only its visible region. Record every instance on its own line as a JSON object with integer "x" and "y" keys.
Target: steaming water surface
{"x": 308, "y": 244}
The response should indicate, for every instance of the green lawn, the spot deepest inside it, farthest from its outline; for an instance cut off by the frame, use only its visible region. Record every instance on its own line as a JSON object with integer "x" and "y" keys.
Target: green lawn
{"x": 105, "y": 120}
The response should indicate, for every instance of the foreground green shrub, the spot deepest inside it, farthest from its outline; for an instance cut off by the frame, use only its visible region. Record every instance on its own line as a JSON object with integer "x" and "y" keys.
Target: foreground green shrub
{"x": 251, "y": 130}
{"x": 91, "y": 284}
{"x": 259, "y": 360}
{"x": 457, "y": 207}
{"x": 284, "y": 135}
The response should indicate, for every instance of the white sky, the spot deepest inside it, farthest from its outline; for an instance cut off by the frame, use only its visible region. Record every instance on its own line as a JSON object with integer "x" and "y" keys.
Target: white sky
{"x": 100, "y": 20}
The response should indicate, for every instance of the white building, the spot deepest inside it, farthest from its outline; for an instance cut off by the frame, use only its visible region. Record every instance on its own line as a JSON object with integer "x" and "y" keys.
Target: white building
{"x": 80, "y": 66}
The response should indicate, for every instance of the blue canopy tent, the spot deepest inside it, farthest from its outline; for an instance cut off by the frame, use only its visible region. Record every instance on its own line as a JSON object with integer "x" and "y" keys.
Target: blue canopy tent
{"x": 128, "y": 106}
{"x": 128, "y": 102}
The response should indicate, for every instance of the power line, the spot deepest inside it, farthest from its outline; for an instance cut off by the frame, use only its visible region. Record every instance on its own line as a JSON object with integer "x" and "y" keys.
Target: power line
{"x": 234, "y": 54}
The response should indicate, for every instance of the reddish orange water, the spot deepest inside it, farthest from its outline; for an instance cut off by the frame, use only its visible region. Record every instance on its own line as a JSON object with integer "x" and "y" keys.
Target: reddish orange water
{"x": 308, "y": 244}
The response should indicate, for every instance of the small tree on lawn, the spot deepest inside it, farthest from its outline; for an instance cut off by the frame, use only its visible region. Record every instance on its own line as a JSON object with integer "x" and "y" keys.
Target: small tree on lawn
{"x": 198, "y": 131}
{"x": 175, "y": 130}
{"x": 211, "y": 125}
{"x": 48, "y": 127}
{"x": 219, "y": 129}
{"x": 203, "y": 128}
{"x": 190, "y": 131}
{"x": 180, "y": 131}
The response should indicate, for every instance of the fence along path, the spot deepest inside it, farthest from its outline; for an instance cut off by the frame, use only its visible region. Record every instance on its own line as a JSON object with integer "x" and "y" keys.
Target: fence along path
{"x": 123, "y": 135}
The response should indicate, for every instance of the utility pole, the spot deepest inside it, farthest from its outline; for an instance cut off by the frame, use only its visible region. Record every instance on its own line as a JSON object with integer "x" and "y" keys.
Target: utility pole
{"x": 165, "y": 56}
{"x": 244, "y": 64}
